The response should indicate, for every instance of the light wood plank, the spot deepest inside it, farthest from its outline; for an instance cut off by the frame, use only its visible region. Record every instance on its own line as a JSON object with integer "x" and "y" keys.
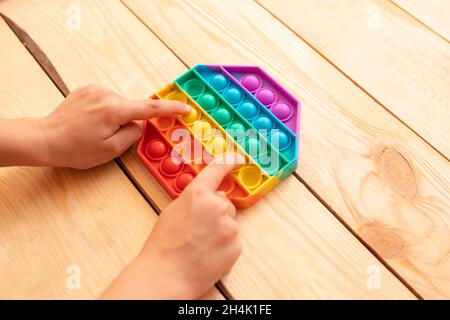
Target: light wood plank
{"x": 433, "y": 13}
{"x": 51, "y": 218}
{"x": 293, "y": 246}
{"x": 384, "y": 181}
{"x": 388, "y": 53}
{"x": 95, "y": 219}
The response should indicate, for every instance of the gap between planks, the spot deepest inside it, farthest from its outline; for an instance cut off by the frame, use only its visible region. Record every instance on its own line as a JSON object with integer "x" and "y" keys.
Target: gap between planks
{"x": 418, "y": 20}
{"x": 50, "y": 71}
{"x": 378, "y": 102}
{"x": 297, "y": 176}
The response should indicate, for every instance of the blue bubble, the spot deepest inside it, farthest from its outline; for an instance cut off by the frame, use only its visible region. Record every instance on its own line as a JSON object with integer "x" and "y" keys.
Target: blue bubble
{"x": 281, "y": 138}
{"x": 233, "y": 95}
{"x": 218, "y": 81}
{"x": 262, "y": 123}
{"x": 248, "y": 110}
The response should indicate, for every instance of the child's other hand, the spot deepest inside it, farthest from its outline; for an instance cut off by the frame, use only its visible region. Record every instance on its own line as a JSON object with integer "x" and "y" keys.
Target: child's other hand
{"x": 94, "y": 125}
{"x": 194, "y": 243}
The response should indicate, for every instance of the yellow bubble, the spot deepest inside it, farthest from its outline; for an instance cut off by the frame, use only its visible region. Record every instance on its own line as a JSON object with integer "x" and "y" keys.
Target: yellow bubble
{"x": 218, "y": 145}
{"x": 202, "y": 129}
{"x": 176, "y": 96}
{"x": 191, "y": 116}
{"x": 250, "y": 176}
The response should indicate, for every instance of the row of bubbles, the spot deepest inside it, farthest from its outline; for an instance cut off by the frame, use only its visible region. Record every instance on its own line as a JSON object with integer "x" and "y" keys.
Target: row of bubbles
{"x": 249, "y": 110}
{"x": 170, "y": 166}
{"x": 213, "y": 138}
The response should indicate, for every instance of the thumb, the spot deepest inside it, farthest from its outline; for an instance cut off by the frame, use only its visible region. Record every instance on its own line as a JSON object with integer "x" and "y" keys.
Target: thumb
{"x": 212, "y": 175}
{"x": 124, "y": 138}
{"x": 146, "y": 109}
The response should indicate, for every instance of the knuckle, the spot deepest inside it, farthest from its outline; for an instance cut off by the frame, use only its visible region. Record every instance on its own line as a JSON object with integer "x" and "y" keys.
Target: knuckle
{"x": 197, "y": 191}
{"x": 157, "y": 104}
{"x": 238, "y": 248}
{"x": 115, "y": 148}
{"x": 229, "y": 228}
{"x": 234, "y": 230}
{"x": 110, "y": 106}
{"x": 136, "y": 131}
{"x": 223, "y": 207}
{"x": 91, "y": 88}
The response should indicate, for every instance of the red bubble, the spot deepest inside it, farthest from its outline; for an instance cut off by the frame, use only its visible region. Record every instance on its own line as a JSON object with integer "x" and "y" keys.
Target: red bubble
{"x": 227, "y": 184}
{"x": 156, "y": 149}
{"x": 171, "y": 166}
{"x": 183, "y": 180}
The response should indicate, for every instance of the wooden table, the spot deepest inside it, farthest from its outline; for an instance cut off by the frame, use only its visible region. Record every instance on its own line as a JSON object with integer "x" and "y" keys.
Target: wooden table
{"x": 366, "y": 215}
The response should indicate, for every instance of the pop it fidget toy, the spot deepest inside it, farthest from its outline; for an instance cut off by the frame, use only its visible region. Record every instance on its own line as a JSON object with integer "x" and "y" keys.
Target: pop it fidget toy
{"x": 235, "y": 109}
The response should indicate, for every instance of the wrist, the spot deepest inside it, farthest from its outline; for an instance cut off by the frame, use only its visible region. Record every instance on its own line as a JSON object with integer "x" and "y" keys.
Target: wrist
{"x": 23, "y": 142}
{"x": 148, "y": 278}
{"x": 166, "y": 277}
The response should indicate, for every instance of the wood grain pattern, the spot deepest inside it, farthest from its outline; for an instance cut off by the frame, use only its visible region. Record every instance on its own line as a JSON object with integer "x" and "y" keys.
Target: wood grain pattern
{"x": 293, "y": 246}
{"x": 386, "y": 51}
{"x": 52, "y": 219}
{"x": 386, "y": 183}
{"x": 433, "y": 13}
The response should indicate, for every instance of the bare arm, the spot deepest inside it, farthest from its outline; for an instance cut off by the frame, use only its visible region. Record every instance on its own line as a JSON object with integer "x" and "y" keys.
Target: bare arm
{"x": 90, "y": 127}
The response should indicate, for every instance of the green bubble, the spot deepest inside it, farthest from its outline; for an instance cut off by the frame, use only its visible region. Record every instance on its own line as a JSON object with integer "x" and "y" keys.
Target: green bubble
{"x": 207, "y": 101}
{"x": 194, "y": 87}
{"x": 222, "y": 116}
{"x": 236, "y": 130}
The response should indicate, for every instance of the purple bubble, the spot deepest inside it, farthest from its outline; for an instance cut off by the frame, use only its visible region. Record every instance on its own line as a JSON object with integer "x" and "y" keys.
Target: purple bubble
{"x": 266, "y": 96}
{"x": 282, "y": 111}
{"x": 251, "y": 82}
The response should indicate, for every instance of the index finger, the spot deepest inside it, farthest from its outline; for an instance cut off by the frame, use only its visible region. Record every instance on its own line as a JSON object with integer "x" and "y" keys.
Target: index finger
{"x": 146, "y": 109}
{"x": 212, "y": 175}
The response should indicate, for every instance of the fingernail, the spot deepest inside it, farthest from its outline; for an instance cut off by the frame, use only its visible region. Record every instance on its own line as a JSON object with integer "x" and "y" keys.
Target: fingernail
{"x": 187, "y": 107}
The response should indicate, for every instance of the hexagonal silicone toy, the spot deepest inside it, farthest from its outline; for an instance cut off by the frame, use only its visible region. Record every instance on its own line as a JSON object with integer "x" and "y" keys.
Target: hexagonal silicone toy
{"x": 238, "y": 109}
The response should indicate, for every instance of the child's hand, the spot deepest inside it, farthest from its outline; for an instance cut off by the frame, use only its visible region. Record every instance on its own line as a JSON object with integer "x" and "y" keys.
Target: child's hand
{"x": 94, "y": 125}
{"x": 194, "y": 243}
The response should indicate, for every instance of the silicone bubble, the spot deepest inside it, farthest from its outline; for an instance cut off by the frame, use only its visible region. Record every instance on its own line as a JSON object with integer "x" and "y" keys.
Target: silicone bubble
{"x": 250, "y": 176}
{"x": 270, "y": 169}
{"x": 227, "y": 184}
{"x": 269, "y": 164}
{"x": 233, "y": 95}
{"x": 177, "y": 134}
{"x": 263, "y": 123}
{"x": 194, "y": 87}
{"x": 218, "y": 82}
{"x": 182, "y": 180}
{"x": 266, "y": 96}
{"x": 237, "y": 126}
{"x": 170, "y": 166}
{"x": 218, "y": 145}
{"x": 252, "y": 145}
{"x": 202, "y": 129}
{"x": 222, "y": 116}
{"x": 247, "y": 109}
{"x": 236, "y": 130}
{"x": 156, "y": 149}
{"x": 191, "y": 116}
{"x": 164, "y": 123}
{"x": 193, "y": 153}
{"x": 282, "y": 139}
{"x": 177, "y": 96}
{"x": 282, "y": 111}
{"x": 207, "y": 101}
{"x": 251, "y": 82}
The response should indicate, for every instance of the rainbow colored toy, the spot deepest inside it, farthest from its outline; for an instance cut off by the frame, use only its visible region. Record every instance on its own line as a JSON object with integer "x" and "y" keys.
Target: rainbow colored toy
{"x": 235, "y": 109}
